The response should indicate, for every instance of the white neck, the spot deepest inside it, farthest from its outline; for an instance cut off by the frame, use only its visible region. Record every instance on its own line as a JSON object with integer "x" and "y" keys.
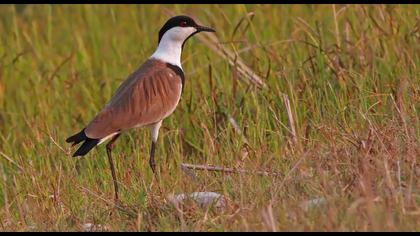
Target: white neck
{"x": 169, "y": 52}
{"x": 170, "y": 45}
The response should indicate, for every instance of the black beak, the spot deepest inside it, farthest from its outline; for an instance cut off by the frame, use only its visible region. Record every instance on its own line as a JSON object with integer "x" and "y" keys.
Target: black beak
{"x": 204, "y": 28}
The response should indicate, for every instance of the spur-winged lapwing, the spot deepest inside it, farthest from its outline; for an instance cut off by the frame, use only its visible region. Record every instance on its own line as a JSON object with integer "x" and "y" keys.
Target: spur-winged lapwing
{"x": 146, "y": 97}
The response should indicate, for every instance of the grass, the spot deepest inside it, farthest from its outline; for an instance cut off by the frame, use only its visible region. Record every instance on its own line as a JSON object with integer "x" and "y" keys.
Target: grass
{"x": 350, "y": 72}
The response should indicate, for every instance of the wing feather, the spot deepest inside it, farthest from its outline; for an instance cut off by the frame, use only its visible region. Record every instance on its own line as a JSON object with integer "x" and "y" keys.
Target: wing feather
{"x": 149, "y": 95}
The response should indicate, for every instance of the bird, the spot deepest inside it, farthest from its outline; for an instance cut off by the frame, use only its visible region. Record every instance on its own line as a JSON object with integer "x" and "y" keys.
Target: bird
{"x": 149, "y": 95}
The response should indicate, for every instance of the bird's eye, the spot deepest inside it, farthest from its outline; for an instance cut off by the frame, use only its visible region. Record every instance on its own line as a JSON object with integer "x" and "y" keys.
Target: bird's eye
{"x": 183, "y": 23}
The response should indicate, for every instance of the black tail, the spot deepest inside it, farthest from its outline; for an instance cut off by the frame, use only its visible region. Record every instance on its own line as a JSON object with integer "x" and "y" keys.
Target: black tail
{"x": 77, "y": 138}
{"x": 86, "y": 146}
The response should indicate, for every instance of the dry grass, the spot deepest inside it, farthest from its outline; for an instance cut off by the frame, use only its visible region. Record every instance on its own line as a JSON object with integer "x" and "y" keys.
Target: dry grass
{"x": 338, "y": 118}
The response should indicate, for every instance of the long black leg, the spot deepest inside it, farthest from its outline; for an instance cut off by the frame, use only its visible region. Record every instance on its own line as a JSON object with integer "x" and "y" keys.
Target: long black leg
{"x": 155, "y": 133}
{"x": 109, "y": 147}
{"x": 152, "y": 157}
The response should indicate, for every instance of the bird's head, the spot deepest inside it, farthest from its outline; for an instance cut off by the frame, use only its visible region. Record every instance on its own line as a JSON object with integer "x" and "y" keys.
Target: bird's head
{"x": 179, "y": 28}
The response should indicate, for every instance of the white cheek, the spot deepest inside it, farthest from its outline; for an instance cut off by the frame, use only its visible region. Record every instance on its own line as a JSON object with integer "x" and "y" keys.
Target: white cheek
{"x": 180, "y": 33}
{"x": 170, "y": 46}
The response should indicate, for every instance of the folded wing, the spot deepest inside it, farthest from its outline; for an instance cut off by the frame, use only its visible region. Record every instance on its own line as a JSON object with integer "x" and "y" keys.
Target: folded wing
{"x": 148, "y": 96}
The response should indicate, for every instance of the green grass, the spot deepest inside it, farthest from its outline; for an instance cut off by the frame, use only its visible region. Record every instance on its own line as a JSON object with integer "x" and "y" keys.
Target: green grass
{"x": 354, "y": 87}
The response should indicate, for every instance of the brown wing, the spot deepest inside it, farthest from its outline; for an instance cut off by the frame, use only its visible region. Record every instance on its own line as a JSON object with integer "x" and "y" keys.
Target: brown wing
{"x": 149, "y": 95}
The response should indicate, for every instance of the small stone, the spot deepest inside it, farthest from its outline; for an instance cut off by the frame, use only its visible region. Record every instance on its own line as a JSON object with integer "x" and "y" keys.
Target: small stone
{"x": 203, "y": 199}
{"x": 316, "y": 202}
{"x": 31, "y": 227}
{"x": 89, "y": 227}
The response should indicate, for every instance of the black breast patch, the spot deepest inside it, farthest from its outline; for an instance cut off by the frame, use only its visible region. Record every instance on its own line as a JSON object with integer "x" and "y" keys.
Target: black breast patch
{"x": 179, "y": 72}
